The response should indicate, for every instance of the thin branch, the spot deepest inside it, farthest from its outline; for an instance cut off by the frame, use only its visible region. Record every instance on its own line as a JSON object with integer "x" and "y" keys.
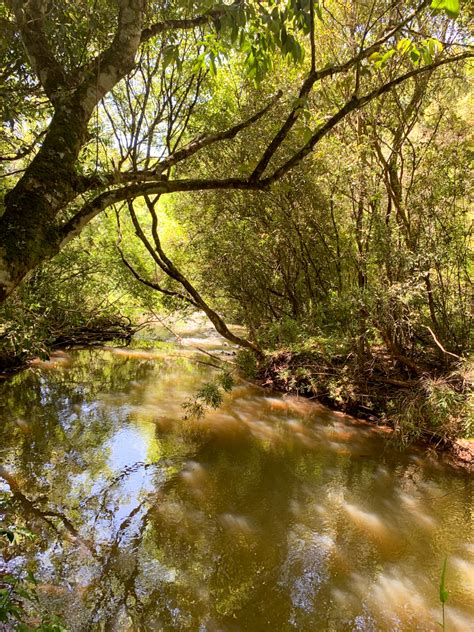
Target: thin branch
{"x": 361, "y": 47}
{"x": 74, "y": 226}
{"x": 354, "y": 103}
{"x": 25, "y": 151}
{"x": 209, "y": 139}
{"x": 454, "y": 355}
{"x": 311, "y": 36}
{"x": 143, "y": 238}
{"x": 176, "y": 274}
{"x": 151, "y": 284}
{"x": 187, "y": 23}
{"x": 185, "y": 152}
{"x": 317, "y": 75}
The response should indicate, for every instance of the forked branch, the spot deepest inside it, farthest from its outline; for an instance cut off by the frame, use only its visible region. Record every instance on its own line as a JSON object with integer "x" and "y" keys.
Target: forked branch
{"x": 193, "y": 296}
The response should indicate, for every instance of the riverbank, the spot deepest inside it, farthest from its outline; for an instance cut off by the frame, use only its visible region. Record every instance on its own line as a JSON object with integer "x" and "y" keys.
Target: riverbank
{"x": 15, "y": 358}
{"x": 435, "y": 411}
{"x": 428, "y": 411}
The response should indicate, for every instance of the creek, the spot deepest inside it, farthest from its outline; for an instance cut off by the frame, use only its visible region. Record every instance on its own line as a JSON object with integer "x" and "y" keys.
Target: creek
{"x": 269, "y": 513}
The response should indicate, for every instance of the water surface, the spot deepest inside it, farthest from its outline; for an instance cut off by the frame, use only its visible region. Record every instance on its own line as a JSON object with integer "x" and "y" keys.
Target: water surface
{"x": 271, "y": 513}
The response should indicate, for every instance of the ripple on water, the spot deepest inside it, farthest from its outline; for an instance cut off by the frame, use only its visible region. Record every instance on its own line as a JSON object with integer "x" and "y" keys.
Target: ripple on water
{"x": 305, "y": 568}
{"x": 264, "y": 515}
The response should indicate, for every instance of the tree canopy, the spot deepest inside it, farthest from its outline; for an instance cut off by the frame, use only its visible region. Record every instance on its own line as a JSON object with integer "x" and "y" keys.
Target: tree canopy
{"x": 99, "y": 98}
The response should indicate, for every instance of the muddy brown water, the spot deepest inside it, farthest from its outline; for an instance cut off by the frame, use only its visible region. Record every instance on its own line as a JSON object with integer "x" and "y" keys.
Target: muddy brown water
{"x": 270, "y": 513}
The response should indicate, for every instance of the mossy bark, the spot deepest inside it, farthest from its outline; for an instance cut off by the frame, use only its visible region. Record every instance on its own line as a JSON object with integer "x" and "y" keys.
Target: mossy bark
{"x": 30, "y": 224}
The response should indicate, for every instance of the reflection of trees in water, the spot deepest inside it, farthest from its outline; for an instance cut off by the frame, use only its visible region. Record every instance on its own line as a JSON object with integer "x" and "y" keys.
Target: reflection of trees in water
{"x": 54, "y": 427}
{"x": 195, "y": 557}
{"x": 181, "y": 556}
{"x": 248, "y": 534}
{"x": 182, "y": 560}
{"x": 53, "y": 389}
{"x": 159, "y": 565}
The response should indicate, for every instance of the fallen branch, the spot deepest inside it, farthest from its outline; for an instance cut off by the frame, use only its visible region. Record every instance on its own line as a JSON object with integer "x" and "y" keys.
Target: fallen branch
{"x": 437, "y": 342}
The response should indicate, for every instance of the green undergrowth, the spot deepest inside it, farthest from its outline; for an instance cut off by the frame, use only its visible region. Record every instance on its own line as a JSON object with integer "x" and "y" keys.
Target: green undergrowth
{"x": 64, "y": 303}
{"x": 436, "y": 405}
{"x": 443, "y": 405}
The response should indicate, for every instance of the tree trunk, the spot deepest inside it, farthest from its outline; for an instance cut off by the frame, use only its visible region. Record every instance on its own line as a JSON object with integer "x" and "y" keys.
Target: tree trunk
{"x": 29, "y": 228}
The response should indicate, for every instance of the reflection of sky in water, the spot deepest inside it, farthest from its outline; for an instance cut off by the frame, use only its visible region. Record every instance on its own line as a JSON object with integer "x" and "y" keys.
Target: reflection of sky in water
{"x": 133, "y": 444}
{"x": 126, "y": 447}
{"x": 307, "y": 562}
{"x": 268, "y": 514}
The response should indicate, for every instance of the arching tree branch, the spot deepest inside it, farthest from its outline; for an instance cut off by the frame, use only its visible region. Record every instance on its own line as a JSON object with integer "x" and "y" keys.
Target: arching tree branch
{"x": 353, "y": 104}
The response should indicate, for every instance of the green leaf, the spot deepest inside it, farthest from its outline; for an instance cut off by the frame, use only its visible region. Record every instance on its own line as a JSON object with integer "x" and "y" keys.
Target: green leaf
{"x": 404, "y": 45}
{"x": 433, "y": 45}
{"x": 415, "y": 55}
{"x": 443, "y": 593}
{"x": 426, "y": 55}
{"x": 375, "y": 56}
{"x": 170, "y": 54}
{"x": 386, "y": 56}
{"x": 212, "y": 65}
{"x": 450, "y": 7}
{"x": 307, "y": 134}
{"x": 226, "y": 380}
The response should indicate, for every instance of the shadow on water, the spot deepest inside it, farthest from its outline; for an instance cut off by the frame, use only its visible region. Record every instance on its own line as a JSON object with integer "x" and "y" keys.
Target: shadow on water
{"x": 270, "y": 513}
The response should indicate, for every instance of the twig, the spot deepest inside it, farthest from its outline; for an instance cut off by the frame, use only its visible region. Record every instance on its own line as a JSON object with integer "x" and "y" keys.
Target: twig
{"x": 440, "y": 345}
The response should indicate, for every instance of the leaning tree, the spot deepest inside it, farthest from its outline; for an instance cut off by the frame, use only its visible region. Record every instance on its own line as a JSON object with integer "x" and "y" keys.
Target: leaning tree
{"x": 64, "y": 62}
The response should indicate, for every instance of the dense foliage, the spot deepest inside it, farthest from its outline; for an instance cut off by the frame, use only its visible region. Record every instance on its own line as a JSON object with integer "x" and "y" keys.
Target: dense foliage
{"x": 294, "y": 166}
{"x": 316, "y": 153}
